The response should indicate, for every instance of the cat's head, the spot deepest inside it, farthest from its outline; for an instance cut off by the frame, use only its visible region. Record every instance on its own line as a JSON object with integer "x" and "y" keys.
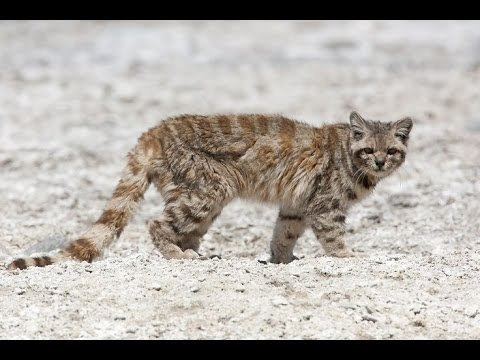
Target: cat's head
{"x": 378, "y": 148}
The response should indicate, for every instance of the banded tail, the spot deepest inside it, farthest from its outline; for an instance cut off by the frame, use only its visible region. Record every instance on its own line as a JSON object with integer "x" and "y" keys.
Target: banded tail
{"x": 119, "y": 210}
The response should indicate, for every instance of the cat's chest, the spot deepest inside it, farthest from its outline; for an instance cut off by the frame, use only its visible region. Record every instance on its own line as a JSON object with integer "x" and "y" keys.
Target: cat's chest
{"x": 362, "y": 192}
{"x": 359, "y": 192}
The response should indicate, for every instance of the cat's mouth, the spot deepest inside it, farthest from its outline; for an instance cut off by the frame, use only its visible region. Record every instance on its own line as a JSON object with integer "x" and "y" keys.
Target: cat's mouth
{"x": 375, "y": 171}
{"x": 380, "y": 173}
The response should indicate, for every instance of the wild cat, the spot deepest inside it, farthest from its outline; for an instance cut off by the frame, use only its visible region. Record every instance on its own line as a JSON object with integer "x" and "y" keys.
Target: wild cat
{"x": 201, "y": 163}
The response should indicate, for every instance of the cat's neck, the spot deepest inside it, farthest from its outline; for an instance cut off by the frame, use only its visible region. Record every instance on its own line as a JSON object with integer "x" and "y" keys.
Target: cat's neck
{"x": 362, "y": 179}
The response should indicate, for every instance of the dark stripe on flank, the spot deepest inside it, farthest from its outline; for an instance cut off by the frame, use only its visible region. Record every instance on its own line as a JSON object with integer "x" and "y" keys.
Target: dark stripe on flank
{"x": 223, "y": 122}
{"x": 173, "y": 219}
{"x": 246, "y": 122}
{"x": 316, "y": 183}
{"x": 189, "y": 215}
{"x": 175, "y": 228}
{"x": 262, "y": 122}
{"x": 290, "y": 217}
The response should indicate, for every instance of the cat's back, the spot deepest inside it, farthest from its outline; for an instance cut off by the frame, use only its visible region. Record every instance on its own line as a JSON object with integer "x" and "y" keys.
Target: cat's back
{"x": 229, "y": 130}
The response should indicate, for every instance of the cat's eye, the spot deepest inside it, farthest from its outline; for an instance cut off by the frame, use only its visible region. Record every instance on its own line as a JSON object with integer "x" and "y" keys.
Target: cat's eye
{"x": 368, "y": 151}
{"x": 357, "y": 135}
{"x": 392, "y": 151}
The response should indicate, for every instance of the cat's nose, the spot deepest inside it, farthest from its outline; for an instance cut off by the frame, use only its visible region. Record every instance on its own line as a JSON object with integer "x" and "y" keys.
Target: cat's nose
{"x": 380, "y": 163}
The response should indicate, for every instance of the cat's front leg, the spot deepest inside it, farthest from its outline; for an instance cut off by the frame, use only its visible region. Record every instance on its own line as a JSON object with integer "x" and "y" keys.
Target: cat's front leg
{"x": 329, "y": 228}
{"x": 288, "y": 228}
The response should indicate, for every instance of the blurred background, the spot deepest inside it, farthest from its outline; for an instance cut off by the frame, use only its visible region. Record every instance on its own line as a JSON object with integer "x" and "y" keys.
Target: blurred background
{"x": 75, "y": 95}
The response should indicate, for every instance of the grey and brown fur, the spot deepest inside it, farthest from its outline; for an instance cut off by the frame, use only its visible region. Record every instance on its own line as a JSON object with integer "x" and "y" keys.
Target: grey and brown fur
{"x": 200, "y": 163}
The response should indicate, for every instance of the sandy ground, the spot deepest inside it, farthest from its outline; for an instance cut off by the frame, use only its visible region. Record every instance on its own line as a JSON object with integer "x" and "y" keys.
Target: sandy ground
{"x": 74, "y": 96}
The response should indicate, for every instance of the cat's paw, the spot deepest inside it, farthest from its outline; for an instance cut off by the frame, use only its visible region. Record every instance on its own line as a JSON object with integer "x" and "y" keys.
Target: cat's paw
{"x": 190, "y": 254}
{"x": 341, "y": 253}
{"x": 282, "y": 260}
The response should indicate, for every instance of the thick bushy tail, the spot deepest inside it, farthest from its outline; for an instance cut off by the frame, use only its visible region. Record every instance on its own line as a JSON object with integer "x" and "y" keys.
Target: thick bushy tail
{"x": 119, "y": 210}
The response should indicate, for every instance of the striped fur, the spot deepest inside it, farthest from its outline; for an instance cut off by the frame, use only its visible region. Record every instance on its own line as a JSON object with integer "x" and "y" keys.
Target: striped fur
{"x": 200, "y": 163}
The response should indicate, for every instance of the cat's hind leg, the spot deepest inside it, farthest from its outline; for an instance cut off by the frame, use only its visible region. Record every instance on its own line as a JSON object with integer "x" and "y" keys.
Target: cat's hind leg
{"x": 288, "y": 228}
{"x": 184, "y": 221}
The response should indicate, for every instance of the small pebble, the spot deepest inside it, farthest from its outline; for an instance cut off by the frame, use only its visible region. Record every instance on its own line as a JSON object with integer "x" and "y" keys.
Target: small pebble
{"x": 240, "y": 288}
{"x": 19, "y": 291}
{"x": 369, "y": 318}
{"x": 419, "y": 323}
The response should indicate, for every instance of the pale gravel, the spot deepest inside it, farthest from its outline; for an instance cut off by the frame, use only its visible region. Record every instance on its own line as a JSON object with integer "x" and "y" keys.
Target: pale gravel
{"x": 74, "y": 96}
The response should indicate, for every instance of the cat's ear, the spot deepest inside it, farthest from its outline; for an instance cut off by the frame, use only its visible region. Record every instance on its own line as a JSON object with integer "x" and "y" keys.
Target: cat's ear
{"x": 402, "y": 128}
{"x": 358, "y": 125}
